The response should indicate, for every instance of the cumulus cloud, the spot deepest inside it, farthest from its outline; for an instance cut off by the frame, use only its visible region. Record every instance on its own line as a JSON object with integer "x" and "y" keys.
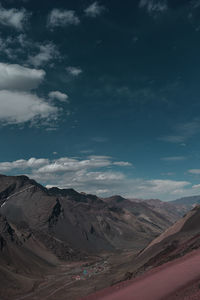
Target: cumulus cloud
{"x": 17, "y": 107}
{"x": 13, "y": 17}
{"x": 66, "y": 164}
{"x": 97, "y": 175}
{"x": 46, "y": 53}
{"x": 61, "y": 18}
{"x": 23, "y": 164}
{"x": 16, "y": 77}
{"x": 58, "y": 96}
{"x": 18, "y": 104}
{"x": 74, "y": 71}
{"x": 94, "y": 10}
{"x": 154, "y": 6}
{"x": 90, "y": 174}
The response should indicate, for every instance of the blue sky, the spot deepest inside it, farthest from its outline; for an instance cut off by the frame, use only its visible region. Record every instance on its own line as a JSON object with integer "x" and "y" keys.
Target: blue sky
{"x": 102, "y": 96}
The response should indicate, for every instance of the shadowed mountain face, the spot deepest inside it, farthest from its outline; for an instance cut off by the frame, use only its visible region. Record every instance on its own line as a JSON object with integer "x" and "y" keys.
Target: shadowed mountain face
{"x": 22, "y": 259}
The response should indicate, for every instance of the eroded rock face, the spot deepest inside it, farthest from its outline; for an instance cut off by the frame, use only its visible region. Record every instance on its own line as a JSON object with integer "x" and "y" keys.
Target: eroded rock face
{"x": 6, "y": 233}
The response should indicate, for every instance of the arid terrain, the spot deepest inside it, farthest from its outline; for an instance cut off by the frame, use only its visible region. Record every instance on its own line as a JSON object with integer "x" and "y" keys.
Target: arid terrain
{"x": 61, "y": 244}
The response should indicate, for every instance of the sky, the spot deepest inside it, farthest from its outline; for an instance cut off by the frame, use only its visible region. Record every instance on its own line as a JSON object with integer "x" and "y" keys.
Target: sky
{"x": 102, "y": 96}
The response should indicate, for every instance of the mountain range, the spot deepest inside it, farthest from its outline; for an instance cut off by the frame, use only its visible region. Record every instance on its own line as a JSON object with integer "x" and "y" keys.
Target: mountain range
{"x": 41, "y": 228}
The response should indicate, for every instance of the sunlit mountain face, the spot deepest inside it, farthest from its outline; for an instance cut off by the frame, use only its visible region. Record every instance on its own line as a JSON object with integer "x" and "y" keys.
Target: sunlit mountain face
{"x": 102, "y": 96}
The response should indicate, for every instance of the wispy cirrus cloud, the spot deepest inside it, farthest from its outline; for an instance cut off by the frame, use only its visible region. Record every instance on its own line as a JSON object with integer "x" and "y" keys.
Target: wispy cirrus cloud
{"x": 154, "y": 6}
{"x": 183, "y": 132}
{"x": 62, "y": 18}
{"x": 74, "y": 71}
{"x": 195, "y": 4}
{"x": 57, "y": 95}
{"x": 34, "y": 53}
{"x": 94, "y": 10}
{"x": 46, "y": 52}
{"x": 173, "y": 158}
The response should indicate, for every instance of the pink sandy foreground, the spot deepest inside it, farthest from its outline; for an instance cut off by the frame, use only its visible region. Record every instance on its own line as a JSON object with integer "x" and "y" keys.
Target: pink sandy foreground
{"x": 156, "y": 284}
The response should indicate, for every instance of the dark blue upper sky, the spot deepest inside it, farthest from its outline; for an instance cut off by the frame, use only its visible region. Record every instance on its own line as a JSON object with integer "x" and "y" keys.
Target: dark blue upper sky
{"x": 104, "y": 95}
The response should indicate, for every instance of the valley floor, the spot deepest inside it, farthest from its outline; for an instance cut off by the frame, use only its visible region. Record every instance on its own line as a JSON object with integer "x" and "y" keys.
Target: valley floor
{"x": 71, "y": 281}
{"x": 166, "y": 282}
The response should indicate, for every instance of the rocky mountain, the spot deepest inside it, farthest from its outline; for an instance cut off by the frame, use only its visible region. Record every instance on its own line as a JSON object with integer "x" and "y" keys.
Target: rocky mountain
{"x": 186, "y": 203}
{"x": 147, "y": 212}
{"x": 41, "y": 228}
{"x": 171, "y": 211}
{"x": 69, "y": 223}
{"x": 179, "y": 239}
{"x": 22, "y": 259}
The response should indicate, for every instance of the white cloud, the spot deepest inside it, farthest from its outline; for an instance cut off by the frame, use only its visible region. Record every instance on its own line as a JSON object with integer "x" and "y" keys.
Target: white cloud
{"x": 173, "y": 158}
{"x": 18, "y": 107}
{"x": 194, "y": 171}
{"x": 154, "y": 6}
{"x": 62, "y": 18}
{"x": 23, "y": 164}
{"x": 168, "y": 186}
{"x": 97, "y": 175}
{"x": 122, "y": 164}
{"x": 94, "y": 10}
{"x": 58, "y": 96}
{"x": 66, "y": 164}
{"x": 46, "y": 53}
{"x": 13, "y": 17}
{"x": 196, "y": 186}
{"x": 16, "y": 77}
{"x": 74, "y": 71}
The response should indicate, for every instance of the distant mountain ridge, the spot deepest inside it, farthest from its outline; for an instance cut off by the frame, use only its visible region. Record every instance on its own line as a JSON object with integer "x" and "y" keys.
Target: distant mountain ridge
{"x": 188, "y": 202}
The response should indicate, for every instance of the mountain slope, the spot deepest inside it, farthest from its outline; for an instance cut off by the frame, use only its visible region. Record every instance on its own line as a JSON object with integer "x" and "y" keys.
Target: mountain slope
{"x": 22, "y": 260}
{"x": 144, "y": 212}
{"x": 170, "y": 210}
{"x": 180, "y": 239}
{"x": 186, "y": 203}
{"x": 68, "y": 222}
